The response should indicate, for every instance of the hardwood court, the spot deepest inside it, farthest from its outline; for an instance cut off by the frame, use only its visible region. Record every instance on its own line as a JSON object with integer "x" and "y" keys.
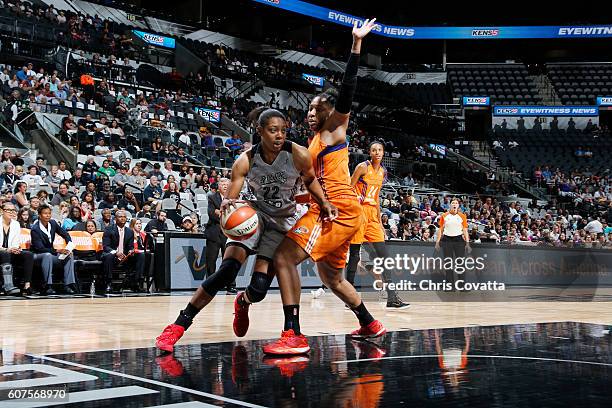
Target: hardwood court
{"x": 46, "y": 326}
{"x": 476, "y": 354}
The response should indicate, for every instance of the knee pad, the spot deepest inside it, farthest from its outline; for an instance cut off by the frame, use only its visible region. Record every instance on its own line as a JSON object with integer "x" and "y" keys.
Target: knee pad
{"x": 258, "y": 288}
{"x": 226, "y": 274}
{"x": 7, "y": 268}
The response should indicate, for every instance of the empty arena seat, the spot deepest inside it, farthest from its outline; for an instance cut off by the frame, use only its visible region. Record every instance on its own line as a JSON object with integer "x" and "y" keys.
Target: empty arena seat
{"x": 509, "y": 80}
{"x": 580, "y": 83}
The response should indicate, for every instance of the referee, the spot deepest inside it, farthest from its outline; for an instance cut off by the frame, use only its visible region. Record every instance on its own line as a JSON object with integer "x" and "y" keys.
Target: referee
{"x": 453, "y": 236}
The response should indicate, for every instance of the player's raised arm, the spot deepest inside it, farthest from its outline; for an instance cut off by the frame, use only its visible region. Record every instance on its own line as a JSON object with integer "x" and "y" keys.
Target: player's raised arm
{"x": 349, "y": 81}
{"x": 303, "y": 163}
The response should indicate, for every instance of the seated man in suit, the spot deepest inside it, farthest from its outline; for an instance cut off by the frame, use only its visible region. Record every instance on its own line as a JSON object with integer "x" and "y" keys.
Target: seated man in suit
{"x": 43, "y": 234}
{"x": 118, "y": 243}
{"x": 11, "y": 253}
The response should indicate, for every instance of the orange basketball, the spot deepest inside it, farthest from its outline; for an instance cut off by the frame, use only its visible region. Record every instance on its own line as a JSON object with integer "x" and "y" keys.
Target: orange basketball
{"x": 239, "y": 222}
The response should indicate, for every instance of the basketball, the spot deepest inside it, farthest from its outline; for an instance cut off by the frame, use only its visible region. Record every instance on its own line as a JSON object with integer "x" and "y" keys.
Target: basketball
{"x": 239, "y": 222}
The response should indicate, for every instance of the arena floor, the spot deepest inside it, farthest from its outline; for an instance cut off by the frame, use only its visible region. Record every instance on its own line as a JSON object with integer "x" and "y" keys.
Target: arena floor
{"x": 436, "y": 353}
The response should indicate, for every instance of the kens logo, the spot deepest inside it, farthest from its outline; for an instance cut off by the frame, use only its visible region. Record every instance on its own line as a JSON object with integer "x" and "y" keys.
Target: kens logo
{"x": 156, "y": 39}
{"x": 506, "y": 111}
{"x": 476, "y": 100}
{"x": 485, "y": 33}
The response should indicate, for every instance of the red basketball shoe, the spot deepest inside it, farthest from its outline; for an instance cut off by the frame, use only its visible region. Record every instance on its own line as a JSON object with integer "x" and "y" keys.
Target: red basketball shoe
{"x": 372, "y": 330}
{"x": 368, "y": 350}
{"x": 240, "y": 365}
{"x": 289, "y": 343}
{"x": 170, "y": 365}
{"x": 171, "y": 334}
{"x": 241, "y": 317}
{"x": 288, "y": 366}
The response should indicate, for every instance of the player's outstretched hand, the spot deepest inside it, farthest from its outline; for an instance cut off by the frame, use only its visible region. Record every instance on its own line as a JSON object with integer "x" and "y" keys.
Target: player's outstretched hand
{"x": 227, "y": 203}
{"x": 366, "y": 27}
{"x": 329, "y": 211}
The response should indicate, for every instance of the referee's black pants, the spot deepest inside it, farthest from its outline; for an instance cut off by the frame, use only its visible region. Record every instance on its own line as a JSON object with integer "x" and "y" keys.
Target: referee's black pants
{"x": 452, "y": 247}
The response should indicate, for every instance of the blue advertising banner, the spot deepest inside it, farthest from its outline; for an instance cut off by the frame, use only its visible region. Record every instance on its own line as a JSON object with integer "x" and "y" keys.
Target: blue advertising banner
{"x": 211, "y": 115}
{"x": 315, "y": 80}
{"x": 438, "y": 148}
{"x": 604, "y": 100}
{"x": 476, "y": 101}
{"x": 443, "y": 33}
{"x": 154, "y": 39}
{"x": 545, "y": 111}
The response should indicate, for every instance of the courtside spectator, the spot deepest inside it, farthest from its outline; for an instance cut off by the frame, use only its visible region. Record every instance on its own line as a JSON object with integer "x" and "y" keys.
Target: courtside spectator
{"x": 43, "y": 235}
{"x": 118, "y": 243}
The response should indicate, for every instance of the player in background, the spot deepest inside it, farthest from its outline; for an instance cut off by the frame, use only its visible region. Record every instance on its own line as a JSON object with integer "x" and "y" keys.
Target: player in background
{"x": 368, "y": 179}
{"x": 327, "y": 243}
{"x": 272, "y": 169}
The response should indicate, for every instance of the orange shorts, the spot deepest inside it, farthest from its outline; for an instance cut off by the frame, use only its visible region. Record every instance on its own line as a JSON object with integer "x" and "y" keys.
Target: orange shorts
{"x": 328, "y": 241}
{"x": 371, "y": 230}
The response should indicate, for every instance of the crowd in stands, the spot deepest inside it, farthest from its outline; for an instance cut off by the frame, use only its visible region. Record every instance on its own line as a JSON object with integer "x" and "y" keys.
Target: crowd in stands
{"x": 411, "y": 218}
{"x": 75, "y": 30}
{"x": 582, "y": 186}
{"x": 138, "y": 188}
{"x": 90, "y": 198}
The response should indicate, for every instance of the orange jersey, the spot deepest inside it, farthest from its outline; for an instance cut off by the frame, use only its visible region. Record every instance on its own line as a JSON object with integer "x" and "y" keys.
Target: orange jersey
{"x": 368, "y": 186}
{"x": 331, "y": 168}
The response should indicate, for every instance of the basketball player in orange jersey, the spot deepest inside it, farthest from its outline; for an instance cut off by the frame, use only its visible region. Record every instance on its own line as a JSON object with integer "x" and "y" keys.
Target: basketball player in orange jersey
{"x": 327, "y": 243}
{"x": 454, "y": 236}
{"x": 368, "y": 179}
{"x": 272, "y": 170}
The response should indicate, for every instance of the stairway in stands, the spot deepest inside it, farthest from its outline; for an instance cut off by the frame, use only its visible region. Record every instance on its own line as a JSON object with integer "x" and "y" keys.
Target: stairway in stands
{"x": 546, "y": 90}
{"x": 483, "y": 154}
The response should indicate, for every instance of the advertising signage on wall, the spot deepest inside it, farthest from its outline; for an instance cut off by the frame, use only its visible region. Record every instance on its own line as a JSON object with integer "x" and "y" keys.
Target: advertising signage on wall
{"x": 211, "y": 115}
{"x": 476, "y": 101}
{"x": 154, "y": 39}
{"x": 545, "y": 111}
{"x": 315, "y": 80}
{"x": 604, "y": 100}
{"x": 444, "y": 33}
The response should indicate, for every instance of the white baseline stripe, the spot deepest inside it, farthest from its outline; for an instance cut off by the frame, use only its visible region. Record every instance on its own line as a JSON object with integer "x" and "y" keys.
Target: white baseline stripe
{"x": 190, "y": 404}
{"x": 146, "y": 380}
{"x": 557, "y": 360}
